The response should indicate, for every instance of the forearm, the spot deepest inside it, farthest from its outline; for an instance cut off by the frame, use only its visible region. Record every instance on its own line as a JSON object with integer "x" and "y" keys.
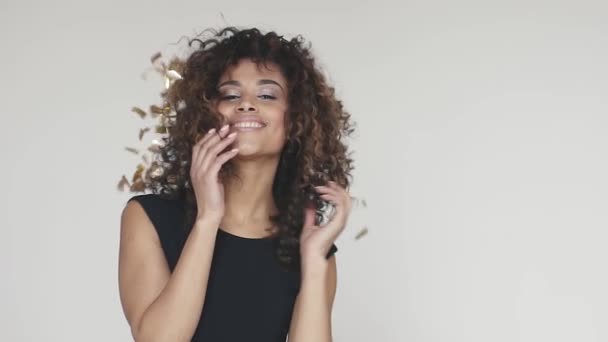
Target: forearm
{"x": 175, "y": 313}
{"x": 311, "y": 319}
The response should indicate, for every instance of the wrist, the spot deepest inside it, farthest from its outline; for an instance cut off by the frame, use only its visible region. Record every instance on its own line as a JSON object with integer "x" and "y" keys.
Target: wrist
{"x": 314, "y": 267}
{"x": 207, "y": 222}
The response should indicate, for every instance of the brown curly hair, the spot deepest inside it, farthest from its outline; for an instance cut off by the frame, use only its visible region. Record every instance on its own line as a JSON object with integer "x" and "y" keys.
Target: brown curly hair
{"x": 316, "y": 125}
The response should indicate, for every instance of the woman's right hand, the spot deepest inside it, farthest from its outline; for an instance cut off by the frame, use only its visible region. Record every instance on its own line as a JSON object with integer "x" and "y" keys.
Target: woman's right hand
{"x": 204, "y": 169}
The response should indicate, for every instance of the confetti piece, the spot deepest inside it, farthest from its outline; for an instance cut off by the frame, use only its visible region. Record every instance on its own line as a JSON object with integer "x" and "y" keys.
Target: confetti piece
{"x": 145, "y": 159}
{"x": 154, "y": 149}
{"x": 139, "y": 111}
{"x": 154, "y": 171}
{"x": 161, "y": 129}
{"x": 132, "y": 150}
{"x": 138, "y": 186}
{"x": 137, "y": 175}
{"x": 364, "y": 203}
{"x": 154, "y": 109}
{"x": 362, "y": 233}
{"x": 173, "y": 75}
{"x": 124, "y": 182}
{"x": 142, "y": 132}
{"x": 155, "y": 57}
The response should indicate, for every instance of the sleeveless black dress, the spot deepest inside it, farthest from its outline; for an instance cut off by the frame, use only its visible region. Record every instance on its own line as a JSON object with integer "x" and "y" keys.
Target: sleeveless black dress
{"x": 249, "y": 297}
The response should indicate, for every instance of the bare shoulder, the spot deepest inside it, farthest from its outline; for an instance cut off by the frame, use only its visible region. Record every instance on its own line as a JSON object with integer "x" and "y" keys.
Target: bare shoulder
{"x": 142, "y": 268}
{"x": 135, "y": 224}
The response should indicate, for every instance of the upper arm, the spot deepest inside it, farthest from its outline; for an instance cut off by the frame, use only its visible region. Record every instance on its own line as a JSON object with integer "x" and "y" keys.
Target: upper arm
{"x": 332, "y": 280}
{"x": 142, "y": 268}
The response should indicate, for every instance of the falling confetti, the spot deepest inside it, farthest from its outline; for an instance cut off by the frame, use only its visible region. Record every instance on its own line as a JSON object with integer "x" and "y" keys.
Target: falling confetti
{"x": 155, "y": 57}
{"x": 124, "y": 182}
{"x": 139, "y": 111}
{"x": 142, "y": 132}
{"x": 156, "y": 110}
{"x": 173, "y": 75}
{"x": 132, "y": 150}
{"x": 165, "y": 116}
{"x": 361, "y": 233}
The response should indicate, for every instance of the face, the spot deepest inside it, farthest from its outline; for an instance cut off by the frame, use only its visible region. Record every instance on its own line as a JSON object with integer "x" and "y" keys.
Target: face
{"x": 254, "y": 102}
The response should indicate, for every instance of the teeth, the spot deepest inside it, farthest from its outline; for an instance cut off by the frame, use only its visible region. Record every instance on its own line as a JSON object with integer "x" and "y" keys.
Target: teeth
{"x": 248, "y": 124}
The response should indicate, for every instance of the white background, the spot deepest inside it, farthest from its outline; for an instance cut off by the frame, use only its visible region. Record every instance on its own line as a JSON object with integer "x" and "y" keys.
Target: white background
{"x": 481, "y": 151}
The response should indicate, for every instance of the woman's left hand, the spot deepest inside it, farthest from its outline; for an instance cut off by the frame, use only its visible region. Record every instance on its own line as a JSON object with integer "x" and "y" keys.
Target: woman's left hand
{"x": 315, "y": 240}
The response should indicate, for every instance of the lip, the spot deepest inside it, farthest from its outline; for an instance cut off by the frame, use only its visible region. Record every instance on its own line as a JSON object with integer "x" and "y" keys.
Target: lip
{"x": 247, "y": 118}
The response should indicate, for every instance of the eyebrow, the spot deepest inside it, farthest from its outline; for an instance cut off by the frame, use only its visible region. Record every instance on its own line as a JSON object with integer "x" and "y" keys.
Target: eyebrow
{"x": 260, "y": 82}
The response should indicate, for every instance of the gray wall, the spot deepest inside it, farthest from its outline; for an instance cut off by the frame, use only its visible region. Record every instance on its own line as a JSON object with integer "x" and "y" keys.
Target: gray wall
{"x": 481, "y": 152}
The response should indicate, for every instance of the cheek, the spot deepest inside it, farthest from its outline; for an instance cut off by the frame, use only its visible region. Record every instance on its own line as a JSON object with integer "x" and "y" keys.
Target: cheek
{"x": 223, "y": 107}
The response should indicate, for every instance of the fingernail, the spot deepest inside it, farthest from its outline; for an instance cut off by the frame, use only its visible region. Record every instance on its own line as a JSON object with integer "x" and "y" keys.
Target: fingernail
{"x": 211, "y": 131}
{"x": 231, "y": 134}
{"x": 224, "y": 128}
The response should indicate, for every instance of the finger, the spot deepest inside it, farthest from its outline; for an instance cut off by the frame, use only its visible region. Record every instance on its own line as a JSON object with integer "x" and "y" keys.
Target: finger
{"x": 222, "y": 144}
{"x": 335, "y": 186}
{"x": 221, "y": 159}
{"x": 325, "y": 189}
{"x": 208, "y": 144}
{"x": 205, "y": 138}
{"x": 224, "y": 131}
{"x": 209, "y": 136}
{"x": 332, "y": 198}
{"x": 203, "y": 148}
{"x": 347, "y": 200}
{"x": 214, "y": 150}
{"x": 200, "y": 141}
{"x": 309, "y": 217}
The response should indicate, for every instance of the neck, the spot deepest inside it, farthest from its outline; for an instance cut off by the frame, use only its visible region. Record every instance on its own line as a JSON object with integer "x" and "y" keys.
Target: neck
{"x": 248, "y": 199}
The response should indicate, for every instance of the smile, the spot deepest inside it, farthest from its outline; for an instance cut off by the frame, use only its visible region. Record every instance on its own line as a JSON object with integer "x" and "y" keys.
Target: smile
{"x": 248, "y": 126}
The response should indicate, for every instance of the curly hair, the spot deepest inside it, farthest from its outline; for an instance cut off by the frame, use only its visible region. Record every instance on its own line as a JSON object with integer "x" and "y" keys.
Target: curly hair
{"x": 316, "y": 125}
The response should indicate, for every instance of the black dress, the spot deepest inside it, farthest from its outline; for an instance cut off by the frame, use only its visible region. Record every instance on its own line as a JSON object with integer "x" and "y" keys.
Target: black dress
{"x": 249, "y": 297}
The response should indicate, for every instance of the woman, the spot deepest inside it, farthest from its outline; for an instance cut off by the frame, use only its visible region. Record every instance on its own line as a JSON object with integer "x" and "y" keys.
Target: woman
{"x": 232, "y": 245}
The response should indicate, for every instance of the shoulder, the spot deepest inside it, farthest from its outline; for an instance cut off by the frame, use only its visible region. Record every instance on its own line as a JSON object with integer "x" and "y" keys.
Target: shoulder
{"x": 148, "y": 201}
{"x": 135, "y": 218}
{"x": 157, "y": 207}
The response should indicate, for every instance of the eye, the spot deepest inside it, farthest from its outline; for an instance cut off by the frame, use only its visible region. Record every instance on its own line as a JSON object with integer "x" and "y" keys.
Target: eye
{"x": 267, "y": 97}
{"x": 229, "y": 97}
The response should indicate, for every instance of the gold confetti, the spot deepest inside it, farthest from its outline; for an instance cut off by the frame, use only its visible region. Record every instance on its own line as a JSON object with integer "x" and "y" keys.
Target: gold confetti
{"x": 124, "y": 182}
{"x": 154, "y": 171}
{"x": 142, "y": 132}
{"x": 154, "y": 109}
{"x": 139, "y": 111}
{"x": 165, "y": 116}
{"x": 155, "y": 147}
{"x": 173, "y": 75}
{"x": 157, "y": 110}
{"x": 137, "y": 175}
{"x": 361, "y": 233}
{"x": 132, "y": 150}
{"x": 138, "y": 186}
{"x": 155, "y": 57}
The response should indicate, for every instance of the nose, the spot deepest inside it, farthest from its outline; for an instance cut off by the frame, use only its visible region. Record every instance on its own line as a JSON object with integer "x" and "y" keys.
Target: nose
{"x": 246, "y": 105}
